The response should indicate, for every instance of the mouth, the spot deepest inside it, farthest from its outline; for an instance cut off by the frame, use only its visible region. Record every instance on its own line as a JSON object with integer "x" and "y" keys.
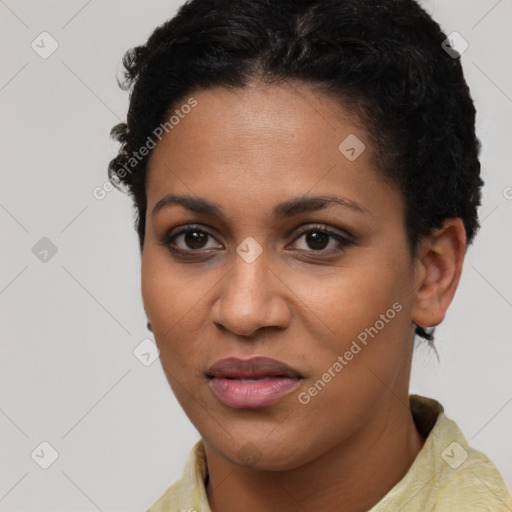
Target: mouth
{"x": 251, "y": 383}
{"x": 254, "y": 368}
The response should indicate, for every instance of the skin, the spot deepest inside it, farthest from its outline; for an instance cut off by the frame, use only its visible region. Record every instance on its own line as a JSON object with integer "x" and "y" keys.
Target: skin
{"x": 249, "y": 149}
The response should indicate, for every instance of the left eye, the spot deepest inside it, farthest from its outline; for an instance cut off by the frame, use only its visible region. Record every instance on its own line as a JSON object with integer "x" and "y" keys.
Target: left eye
{"x": 317, "y": 239}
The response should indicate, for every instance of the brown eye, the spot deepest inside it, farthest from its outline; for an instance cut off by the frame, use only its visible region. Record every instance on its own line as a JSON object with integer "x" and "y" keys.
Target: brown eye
{"x": 195, "y": 239}
{"x": 192, "y": 239}
{"x": 317, "y": 240}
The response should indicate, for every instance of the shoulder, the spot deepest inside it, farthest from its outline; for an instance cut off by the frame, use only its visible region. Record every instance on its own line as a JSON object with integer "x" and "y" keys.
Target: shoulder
{"x": 187, "y": 494}
{"x": 448, "y": 474}
{"x": 169, "y": 501}
{"x": 462, "y": 475}
{"x": 467, "y": 476}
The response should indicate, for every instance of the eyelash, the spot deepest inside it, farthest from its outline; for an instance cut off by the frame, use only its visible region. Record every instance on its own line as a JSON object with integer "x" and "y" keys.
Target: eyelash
{"x": 344, "y": 241}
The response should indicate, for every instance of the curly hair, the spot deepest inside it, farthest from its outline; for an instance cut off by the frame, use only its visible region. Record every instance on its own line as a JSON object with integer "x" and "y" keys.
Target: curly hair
{"x": 383, "y": 58}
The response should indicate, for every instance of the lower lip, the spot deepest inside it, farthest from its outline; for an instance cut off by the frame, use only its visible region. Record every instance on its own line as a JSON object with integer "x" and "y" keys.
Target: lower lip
{"x": 252, "y": 394}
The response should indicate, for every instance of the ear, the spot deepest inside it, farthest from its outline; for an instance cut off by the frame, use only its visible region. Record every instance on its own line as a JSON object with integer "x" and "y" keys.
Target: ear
{"x": 148, "y": 325}
{"x": 437, "y": 270}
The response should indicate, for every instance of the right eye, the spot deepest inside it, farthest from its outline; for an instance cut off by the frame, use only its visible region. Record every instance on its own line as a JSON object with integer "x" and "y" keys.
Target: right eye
{"x": 192, "y": 239}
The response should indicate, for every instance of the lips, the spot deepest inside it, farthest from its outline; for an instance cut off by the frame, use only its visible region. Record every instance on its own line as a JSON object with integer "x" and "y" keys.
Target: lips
{"x": 253, "y": 368}
{"x": 251, "y": 383}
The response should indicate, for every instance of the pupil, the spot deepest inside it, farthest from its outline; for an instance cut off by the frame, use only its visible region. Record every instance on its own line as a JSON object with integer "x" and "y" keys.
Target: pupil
{"x": 194, "y": 239}
{"x": 314, "y": 238}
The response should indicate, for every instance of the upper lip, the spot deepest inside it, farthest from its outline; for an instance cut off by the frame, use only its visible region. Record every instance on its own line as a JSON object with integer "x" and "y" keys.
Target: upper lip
{"x": 255, "y": 367}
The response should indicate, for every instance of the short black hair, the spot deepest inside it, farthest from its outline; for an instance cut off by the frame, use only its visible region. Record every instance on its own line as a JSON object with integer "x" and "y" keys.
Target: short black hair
{"x": 383, "y": 58}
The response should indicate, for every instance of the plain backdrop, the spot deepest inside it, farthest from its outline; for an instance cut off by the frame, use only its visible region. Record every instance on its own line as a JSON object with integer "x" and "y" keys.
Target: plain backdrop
{"x": 70, "y": 305}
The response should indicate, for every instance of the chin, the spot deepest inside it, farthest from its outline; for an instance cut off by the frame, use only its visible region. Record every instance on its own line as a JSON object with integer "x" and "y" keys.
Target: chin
{"x": 260, "y": 453}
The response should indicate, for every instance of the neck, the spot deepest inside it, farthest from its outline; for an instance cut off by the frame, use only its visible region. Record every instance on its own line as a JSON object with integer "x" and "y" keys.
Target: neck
{"x": 357, "y": 473}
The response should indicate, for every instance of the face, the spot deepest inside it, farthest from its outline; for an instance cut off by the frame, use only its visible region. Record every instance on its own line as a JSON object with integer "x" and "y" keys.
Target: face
{"x": 325, "y": 287}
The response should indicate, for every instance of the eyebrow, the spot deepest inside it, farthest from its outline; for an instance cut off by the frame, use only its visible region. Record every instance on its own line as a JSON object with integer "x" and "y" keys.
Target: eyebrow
{"x": 281, "y": 211}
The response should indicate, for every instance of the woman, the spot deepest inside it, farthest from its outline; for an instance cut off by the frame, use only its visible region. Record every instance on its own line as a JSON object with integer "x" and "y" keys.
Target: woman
{"x": 306, "y": 178}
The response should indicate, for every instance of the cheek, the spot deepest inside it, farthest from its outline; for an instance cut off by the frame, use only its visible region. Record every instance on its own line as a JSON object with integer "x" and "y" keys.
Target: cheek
{"x": 361, "y": 314}
{"x": 176, "y": 303}
{"x": 166, "y": 295}
{"x": 352, "y": 299}
{"x": 172, "y": 303}
{"x": 157, "y": 286}
{"x": 376, "y": 317}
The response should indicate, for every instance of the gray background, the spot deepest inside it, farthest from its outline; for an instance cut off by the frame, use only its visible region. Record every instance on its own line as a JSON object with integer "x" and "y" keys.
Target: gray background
{"x": 70, "y": 324}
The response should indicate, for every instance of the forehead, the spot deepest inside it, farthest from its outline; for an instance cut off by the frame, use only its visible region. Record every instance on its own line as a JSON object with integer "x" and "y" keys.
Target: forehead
{"x": 264, "y": 142}
{"x": 259, "y": 116}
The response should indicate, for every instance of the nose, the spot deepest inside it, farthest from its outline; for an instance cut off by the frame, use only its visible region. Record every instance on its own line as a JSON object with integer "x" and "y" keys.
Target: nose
{"x": 251, "y": 296}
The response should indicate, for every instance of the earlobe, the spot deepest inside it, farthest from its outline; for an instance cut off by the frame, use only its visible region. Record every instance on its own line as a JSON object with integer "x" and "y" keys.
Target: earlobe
{"x": 438, "y": 268}
{"x": 148, "y": 324}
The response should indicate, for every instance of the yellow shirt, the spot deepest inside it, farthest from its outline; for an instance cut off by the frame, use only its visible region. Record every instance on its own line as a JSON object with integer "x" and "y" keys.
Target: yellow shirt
{"x": 446, "y": 476}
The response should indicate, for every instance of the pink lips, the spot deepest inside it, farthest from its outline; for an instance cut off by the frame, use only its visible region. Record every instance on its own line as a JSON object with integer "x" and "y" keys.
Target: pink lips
{"x": 251, "y": 383}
